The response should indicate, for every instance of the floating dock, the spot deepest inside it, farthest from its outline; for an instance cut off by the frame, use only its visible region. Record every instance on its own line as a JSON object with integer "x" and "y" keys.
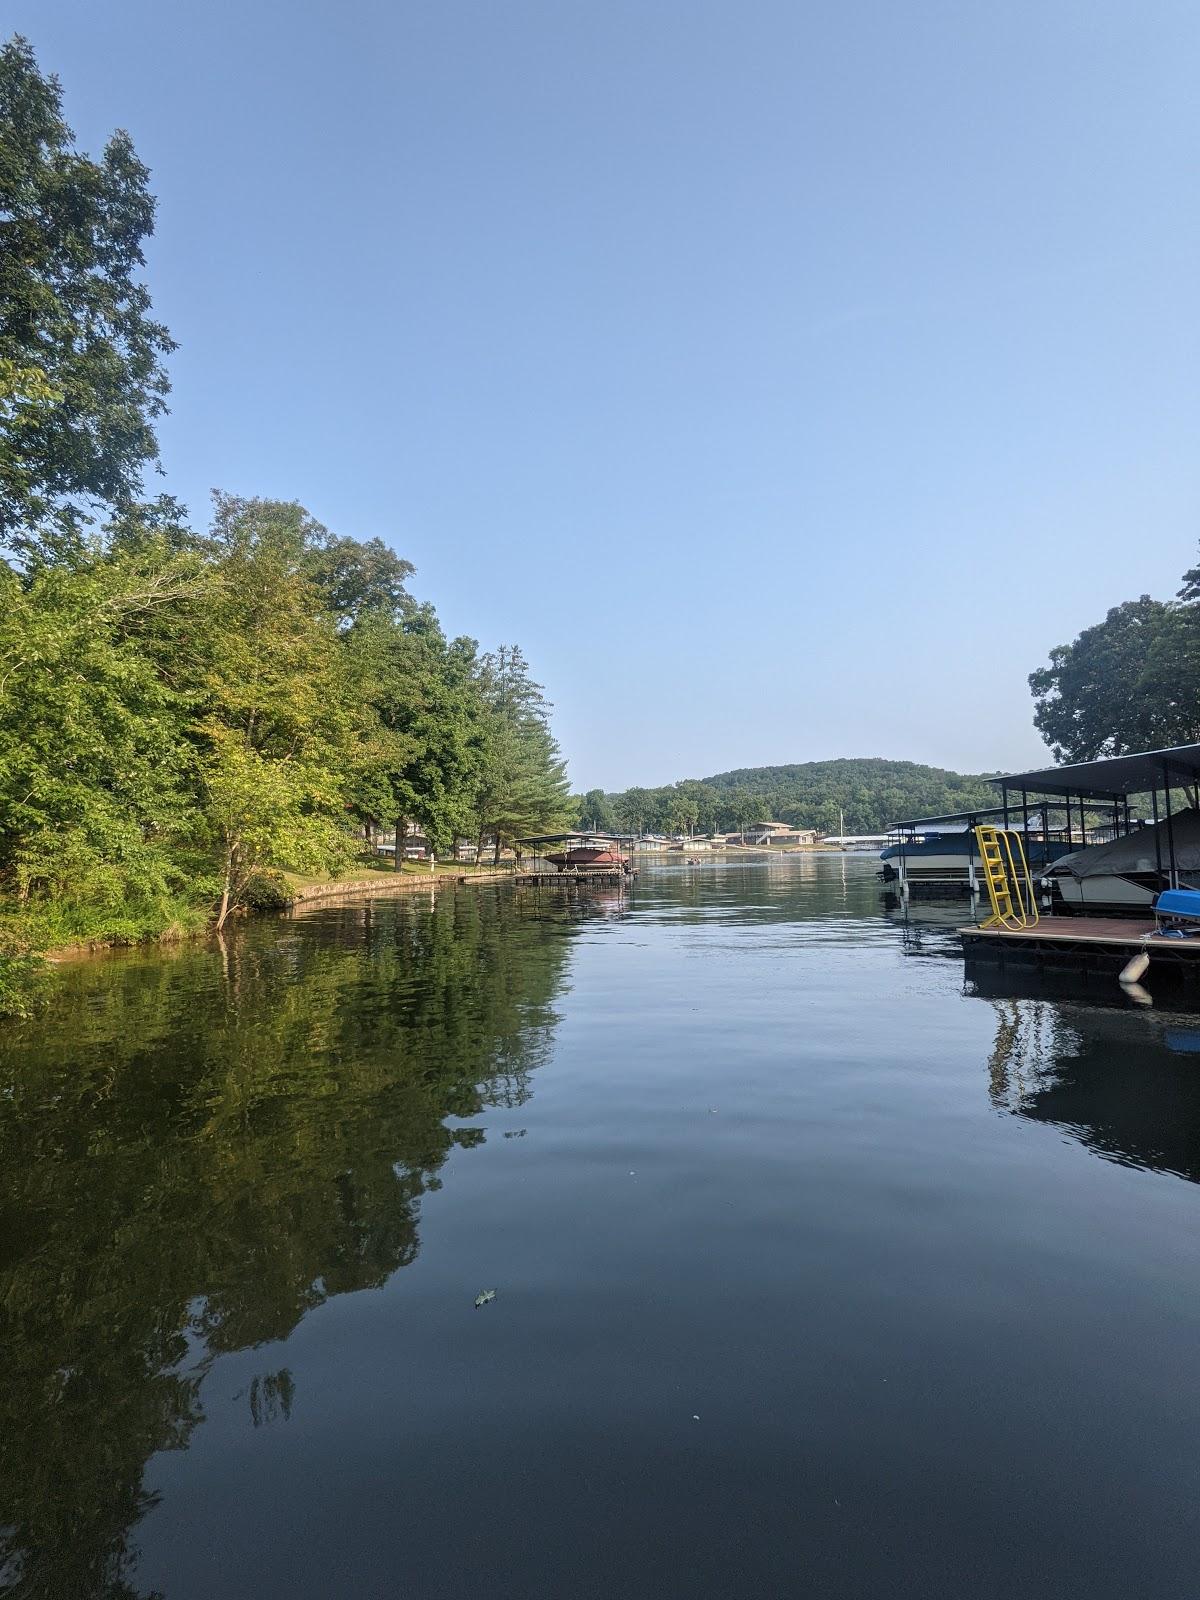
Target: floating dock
{"x": 1101, "y": 945}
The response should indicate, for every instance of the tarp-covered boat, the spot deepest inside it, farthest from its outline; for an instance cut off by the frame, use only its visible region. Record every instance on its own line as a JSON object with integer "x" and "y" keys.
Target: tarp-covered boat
{"x": 1129, "y": 872}
{"x": 588, "y": 855}
{"x": 578, "y": 851}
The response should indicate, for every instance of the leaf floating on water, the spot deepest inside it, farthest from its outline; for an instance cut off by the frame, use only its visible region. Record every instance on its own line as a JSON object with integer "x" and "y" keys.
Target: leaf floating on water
{"x": 484, "y": 1298}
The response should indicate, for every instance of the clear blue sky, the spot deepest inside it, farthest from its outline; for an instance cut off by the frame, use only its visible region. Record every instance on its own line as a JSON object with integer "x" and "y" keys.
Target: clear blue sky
{"x": 732, "y": 358}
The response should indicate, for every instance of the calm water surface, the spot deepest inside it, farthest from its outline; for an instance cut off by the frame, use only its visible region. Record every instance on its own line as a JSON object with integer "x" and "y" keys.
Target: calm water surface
{"x": 817, "y": 1272}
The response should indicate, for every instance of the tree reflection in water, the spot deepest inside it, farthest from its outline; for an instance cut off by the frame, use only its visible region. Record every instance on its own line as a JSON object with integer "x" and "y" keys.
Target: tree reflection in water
{"x": 199, "y": 1148}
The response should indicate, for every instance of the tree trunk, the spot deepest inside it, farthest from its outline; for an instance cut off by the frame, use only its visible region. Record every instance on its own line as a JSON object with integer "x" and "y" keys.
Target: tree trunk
{"x": 496, "y": 857}
{"x": 223, "y": 912}
{"x": 401, "y": 836}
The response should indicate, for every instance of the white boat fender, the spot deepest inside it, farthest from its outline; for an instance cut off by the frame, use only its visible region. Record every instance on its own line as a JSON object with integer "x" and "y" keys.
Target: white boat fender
{"x": 1135, "y": 967}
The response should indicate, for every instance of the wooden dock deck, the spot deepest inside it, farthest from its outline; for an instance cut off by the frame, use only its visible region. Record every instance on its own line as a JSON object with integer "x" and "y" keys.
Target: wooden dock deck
{"x": 1077, "y": 930}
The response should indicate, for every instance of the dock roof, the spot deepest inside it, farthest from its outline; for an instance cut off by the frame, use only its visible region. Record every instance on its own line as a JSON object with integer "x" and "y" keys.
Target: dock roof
{"x": 574, "y": 837}
{"x": 1112, "y": 777}
{"x": 950, "y": 819}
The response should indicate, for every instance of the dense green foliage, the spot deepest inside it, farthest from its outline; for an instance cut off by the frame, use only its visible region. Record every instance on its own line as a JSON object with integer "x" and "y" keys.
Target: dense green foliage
{"x": 183, "y": 711}
{"x": 859, "y": 796}
{"x": 81, "y": 375}
{"x": 1131, "y": 682}
{"x": 179, "y": 712}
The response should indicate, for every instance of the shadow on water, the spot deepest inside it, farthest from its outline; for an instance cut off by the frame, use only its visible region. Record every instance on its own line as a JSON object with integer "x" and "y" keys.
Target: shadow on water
{"x": 198, "y": 1150}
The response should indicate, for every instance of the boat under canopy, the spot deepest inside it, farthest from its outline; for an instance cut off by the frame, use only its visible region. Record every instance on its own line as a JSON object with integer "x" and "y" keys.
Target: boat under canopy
{"x": 578, "y": 851}
{"x": 1138, "y": 860}
{"x": 939, "y": 856}
{"x": 1129, "y": 871}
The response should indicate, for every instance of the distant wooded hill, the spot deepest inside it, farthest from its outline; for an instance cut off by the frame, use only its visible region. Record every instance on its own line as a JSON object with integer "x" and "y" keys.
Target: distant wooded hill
{"x": 865, "y": 794}
{"x": 870, "y": 791}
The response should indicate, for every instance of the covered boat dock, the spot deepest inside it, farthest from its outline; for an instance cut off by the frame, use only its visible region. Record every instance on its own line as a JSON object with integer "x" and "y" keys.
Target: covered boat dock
{"x": 938, "y": 857}
{"x": 1107, "y": 787}
{"x": 573, "y": 857}
{"x": 1146, "y": 854}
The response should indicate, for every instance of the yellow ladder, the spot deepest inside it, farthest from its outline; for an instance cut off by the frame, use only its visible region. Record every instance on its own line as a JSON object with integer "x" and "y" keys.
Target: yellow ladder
{"x": 1006, "y": 873}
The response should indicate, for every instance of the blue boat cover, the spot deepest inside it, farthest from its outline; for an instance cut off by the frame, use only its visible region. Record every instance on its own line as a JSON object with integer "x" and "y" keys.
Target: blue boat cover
{"x": 1178, "y": 903}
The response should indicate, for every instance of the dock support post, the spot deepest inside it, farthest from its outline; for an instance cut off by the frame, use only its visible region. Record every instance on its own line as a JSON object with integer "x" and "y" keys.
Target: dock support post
{"x": 1170, "y": 827}
{"x": 1157, "y": 836}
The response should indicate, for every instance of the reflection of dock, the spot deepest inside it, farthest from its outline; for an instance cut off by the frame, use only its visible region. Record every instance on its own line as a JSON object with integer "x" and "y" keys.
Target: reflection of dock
{"x": 1070, "y": 1070}
{"x": 574, "y": 876}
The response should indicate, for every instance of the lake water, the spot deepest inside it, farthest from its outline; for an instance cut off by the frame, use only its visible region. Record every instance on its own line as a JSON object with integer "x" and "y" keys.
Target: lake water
{"x": 816, "y": 1272}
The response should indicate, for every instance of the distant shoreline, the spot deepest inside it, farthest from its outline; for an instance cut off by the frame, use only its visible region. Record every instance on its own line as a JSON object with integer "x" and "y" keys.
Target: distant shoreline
{"x": 383, "y": 884}
{"x": 380, "y": 885}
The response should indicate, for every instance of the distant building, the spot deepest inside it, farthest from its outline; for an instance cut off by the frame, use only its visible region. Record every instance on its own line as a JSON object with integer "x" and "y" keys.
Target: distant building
{"x": 776, "y": 835}
{"x": 416, "y": 845}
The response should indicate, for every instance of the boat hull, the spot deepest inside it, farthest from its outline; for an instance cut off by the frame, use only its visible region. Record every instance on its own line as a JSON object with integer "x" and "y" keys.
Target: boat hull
{"x": 1103, "y": 893}
{"x": 950, "y": 864}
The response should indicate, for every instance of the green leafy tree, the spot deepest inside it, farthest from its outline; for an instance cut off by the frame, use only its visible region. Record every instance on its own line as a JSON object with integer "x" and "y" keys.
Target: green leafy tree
{"x": 700, "y": 802}
{"x": 422, "y": 753}
{"x": 275, "y": 702}
{"x": 81, "y": 370}
{"x": 355, "y": 578}
{"x": 260, "y": 812}
{"x": 634, "y": 809}
{"x": 1127, "y": 683}
{"x": 739, "y": 808}
{"x": 95, "y": 765}
{"x": 595, "y": 810}
{"x": 523, "y": 785}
